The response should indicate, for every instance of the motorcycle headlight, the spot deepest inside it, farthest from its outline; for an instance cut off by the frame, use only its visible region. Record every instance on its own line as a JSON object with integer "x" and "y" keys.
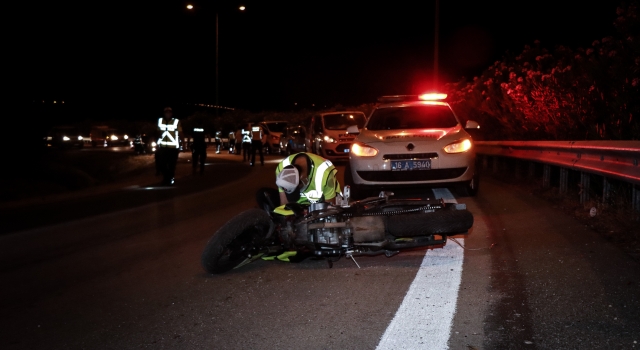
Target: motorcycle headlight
{"x": 153, "y": 144}
{"x": 64, "y": 138}
{"x": 329, "y": 139}
{"x": 362, "y": 150}
{"x": 458, "y": 146}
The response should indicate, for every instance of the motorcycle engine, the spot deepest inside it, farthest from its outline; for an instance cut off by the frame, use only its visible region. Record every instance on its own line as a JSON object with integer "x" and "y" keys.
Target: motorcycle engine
{"x": 328, "y": 228}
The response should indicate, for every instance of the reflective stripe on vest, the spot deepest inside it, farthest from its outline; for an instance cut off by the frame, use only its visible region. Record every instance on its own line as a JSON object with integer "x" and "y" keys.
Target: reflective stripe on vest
{"x": 167, "y": 138}
{"x": 316, "y": 193}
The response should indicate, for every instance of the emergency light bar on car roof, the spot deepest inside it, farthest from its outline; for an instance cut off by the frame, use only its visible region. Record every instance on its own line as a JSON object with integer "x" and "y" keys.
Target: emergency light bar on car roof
{"x": 407, "y": 98}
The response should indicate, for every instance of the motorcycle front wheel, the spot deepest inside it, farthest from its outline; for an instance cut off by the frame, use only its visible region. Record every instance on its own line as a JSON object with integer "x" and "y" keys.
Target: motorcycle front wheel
{"x": 235, "y": 241}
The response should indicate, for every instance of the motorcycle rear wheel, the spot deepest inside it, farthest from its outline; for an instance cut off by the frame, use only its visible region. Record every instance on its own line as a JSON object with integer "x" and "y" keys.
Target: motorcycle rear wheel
{"x": 235, "y": 240}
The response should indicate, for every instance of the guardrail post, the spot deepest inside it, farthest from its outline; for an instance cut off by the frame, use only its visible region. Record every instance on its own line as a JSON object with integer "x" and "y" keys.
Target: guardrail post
{"x": 606, "y": 190}
{"x": 532, "y": 170}
{"x": 635, "y": 199}
{"x": 546, "y": 176}
{"x": 564, "y": 178}
{"x": 584, "y": 187}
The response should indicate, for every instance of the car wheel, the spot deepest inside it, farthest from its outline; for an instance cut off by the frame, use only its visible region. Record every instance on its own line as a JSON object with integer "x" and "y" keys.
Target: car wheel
{"x": 470, "y": 188}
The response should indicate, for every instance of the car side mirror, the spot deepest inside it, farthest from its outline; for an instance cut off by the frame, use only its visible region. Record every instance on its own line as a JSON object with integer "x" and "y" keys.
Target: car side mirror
{"x": 353, "y": 129}
{"x": 471, "y": 124}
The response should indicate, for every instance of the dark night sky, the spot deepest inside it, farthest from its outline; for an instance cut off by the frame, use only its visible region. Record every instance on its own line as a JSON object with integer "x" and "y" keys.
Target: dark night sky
{"x": 128, "y": 60}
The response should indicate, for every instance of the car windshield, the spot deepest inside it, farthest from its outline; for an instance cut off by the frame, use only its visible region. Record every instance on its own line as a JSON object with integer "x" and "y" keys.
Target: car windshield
{"x": 412, "y": 117}
{"x": 276, "y": 126}
{"x": 341, "y": 121}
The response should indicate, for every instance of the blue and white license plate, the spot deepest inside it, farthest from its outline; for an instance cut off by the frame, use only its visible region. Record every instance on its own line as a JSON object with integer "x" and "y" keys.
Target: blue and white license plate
{"x": 405, "y": 165}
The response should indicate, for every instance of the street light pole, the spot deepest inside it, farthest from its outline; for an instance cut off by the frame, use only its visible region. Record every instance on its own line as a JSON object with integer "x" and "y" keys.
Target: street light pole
{"x": 217, "y": 105}
{"x": 435, "y": 46}
{"x": 217, "y": 77}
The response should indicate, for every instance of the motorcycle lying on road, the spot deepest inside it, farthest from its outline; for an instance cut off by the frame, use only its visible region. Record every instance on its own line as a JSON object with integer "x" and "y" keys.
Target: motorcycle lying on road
{"x": 372, "y": 226}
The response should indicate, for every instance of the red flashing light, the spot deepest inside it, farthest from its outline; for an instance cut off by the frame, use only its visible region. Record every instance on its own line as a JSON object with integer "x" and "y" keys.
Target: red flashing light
{"x": 432, "y": 97}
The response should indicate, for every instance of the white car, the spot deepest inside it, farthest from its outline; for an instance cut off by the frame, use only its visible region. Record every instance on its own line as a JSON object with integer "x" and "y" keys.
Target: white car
{"x": 273, "y": 131}
{"x": 412, "y": 141}
{"x": 328, "y": 135}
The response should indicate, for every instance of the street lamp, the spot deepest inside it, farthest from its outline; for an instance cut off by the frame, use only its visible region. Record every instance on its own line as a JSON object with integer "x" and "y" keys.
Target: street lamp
{"x": 217, "y": 106}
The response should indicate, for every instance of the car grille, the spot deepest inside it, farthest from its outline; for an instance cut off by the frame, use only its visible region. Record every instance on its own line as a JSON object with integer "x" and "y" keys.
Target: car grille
{"x": 410, "y": 156}
{"x": 412, "y": 175}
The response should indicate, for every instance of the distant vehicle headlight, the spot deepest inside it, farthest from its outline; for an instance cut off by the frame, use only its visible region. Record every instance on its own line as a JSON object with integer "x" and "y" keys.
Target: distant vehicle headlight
{"x": 64, "y": 138}
{"x": 114, "y": 137}
{"x": 362, "y": 150}
{"x": 80, "y": 138}
{"x": 458, "y": 146}
{"x": 126, "y": 137}
{"x": 329, "y": 139}
{"x": 153, "y": 144}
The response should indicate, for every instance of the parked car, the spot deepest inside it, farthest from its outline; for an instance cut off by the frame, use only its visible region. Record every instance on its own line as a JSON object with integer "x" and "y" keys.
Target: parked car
{"x": 328, "y": 136}
{"x": 273, "y": 130}
{"x": 412, "y": 141}
{"x": 64, "y": 137}
{"x": 293, "y": 140}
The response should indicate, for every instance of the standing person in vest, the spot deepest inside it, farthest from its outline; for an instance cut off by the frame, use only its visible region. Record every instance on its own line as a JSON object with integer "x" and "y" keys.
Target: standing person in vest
{"x": 302, "y": 178}
{"x": 238, "y": 146}
{"x": 170, "y": 130}
{"x": 246, "y": 145}
{"x": 199, "y": 148}
{"x": 257, "y": 136}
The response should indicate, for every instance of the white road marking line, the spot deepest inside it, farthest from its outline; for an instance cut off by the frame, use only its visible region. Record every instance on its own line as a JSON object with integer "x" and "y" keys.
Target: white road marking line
{"x": 424, "y": 319}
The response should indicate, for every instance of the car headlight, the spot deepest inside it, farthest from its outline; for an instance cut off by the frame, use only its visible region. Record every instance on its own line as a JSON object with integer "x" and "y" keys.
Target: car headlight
{"x": 80, "y": 138}
{"x": 153, "y": 144}
{"x": 64, "y": 138}
{"x": 458, "y": 146}
{"x": 126, "y": 137}
{"x": 329, "y": 139}
{"x": 114, "y": 138}
{"x": 362, "y": 150}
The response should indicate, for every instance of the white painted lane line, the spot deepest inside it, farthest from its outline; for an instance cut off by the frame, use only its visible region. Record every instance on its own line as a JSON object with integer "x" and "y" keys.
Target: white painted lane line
{"x": 424, "y": 319}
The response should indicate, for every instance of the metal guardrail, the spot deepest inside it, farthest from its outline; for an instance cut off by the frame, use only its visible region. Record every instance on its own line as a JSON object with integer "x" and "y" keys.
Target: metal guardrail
{"x": 609, "y": 159}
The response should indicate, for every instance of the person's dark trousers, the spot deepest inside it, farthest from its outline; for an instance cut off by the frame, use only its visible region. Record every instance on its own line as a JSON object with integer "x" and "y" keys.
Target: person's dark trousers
{"x": 167, "y": 158}
{"x": 256, "y": 145}
{"x": 238, "y": 148}
{"x": 199, "y": 156}
{"x": 268, "y": 198}
{"x": 246, "y": 150}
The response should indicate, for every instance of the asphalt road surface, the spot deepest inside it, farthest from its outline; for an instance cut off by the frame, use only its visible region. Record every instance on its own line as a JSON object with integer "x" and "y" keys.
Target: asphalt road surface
{"x": 529, "y": 278}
